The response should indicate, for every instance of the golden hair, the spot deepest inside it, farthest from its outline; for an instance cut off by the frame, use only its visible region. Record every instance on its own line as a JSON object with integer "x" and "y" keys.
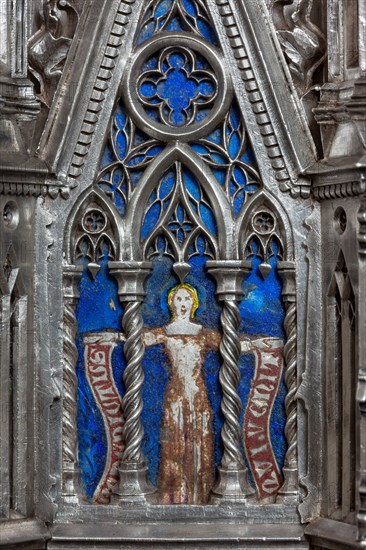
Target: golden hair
{"x": 192, "y": 291}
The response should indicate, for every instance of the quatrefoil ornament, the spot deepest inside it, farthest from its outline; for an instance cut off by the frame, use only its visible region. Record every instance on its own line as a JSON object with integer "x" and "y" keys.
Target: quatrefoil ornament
{"x": 178, "y": 90}
{"x": 177, "y": 87}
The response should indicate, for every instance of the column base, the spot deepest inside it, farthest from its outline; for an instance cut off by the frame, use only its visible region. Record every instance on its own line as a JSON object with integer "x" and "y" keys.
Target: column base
{"x": 70, "y": 494}
{"x": 232, "y": 486}
{"x": 134, "y": 486}
{"x": 289, "y": 492}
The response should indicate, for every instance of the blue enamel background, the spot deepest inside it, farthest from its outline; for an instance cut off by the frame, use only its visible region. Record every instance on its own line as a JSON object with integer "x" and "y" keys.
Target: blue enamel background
{"x": 99, "y": 310}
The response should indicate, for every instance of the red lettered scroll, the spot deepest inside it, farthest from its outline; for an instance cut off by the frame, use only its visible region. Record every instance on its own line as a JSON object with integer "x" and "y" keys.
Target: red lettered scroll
{"x": 257, "y": 438}
{"x": 99, "y": 373}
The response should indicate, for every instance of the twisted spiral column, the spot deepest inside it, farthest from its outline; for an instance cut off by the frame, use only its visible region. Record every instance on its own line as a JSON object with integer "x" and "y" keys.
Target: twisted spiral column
{"x": 229, "y": 380}
{"x": 134, "y": 486}
{"x": 71, "y": 277}
{"x": 232, "y": 485}
{"x": 290, "y": 488}
{"x": 133, "y": 378}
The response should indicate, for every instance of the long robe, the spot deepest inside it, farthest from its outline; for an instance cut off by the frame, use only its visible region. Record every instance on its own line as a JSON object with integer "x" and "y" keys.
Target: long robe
{"x": 186, "y": 471}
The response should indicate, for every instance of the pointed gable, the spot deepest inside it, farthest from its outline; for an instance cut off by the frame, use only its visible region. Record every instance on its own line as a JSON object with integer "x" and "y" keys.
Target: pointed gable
{"x": 233, "y": 41}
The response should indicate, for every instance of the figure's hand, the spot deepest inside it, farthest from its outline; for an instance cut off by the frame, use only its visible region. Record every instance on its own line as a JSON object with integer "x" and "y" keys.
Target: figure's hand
{"x": 149, "y": 338}
{"x": 267, "y": 343}
{"x": 104, "y": 337}
{"x": 246, "y": 345}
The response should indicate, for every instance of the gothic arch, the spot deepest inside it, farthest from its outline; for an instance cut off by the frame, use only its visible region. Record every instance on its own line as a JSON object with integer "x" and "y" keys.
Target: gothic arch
{"x": 287, "y": 329}
{"x": 272, "y": 159}
{"x": 113, "y": 228}
{"x": 218, "y": 200}
{"x": 283, "y": 232}
{"x": 289, "y": 148}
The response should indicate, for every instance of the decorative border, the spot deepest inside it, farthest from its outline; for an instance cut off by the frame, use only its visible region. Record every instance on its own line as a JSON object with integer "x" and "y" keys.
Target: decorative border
{"x": 361, "y": 378}
{"x": 340, "y": 190}
{"x": 34, "y": 190}
{"x": 100, "y": 87}
{"x": 258, "y": 104}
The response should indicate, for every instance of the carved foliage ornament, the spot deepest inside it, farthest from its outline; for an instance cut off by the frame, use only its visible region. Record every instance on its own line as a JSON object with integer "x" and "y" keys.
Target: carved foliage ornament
{"x": 303, "y": 43}
{"x": 49, "y": 46}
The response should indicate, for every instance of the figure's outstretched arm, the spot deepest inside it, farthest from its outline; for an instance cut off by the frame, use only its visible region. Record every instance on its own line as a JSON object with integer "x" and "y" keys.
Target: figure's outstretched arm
{"x": 246, "y": 344}
{"x": 213, "y": 339}
{"x": 153, "y": 337}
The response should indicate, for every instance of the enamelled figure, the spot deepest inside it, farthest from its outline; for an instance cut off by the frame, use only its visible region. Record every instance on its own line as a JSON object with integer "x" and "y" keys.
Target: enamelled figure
{"x": 186, "y": 472}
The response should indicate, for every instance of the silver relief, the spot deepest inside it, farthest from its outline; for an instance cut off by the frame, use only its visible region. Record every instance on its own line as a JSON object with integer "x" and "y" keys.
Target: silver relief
{"x": 361, "y": 398}
{"x": 70, "y": 472}
{"x": 290, "y": 490}
{"x": 303, "y": 43}
{"x": 232, "y": 484}
{"x": 48, "y": 227}
{"x": 134, "y": 486}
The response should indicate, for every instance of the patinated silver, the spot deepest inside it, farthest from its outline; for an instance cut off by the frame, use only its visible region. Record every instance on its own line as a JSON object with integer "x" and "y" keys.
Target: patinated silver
{"x": 134, "y": 486}
{"x": 298, "y": 71}
{"x": 232, "y": 485}
{"x": 71, "y": 277}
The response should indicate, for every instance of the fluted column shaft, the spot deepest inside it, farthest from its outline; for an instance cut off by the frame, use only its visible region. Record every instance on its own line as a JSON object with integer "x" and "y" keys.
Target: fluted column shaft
{"x": 134, "y": 485}
{"x": 290, "y": 488}
{"x": 70, "y": 473}
{"x": 232, "y": 484}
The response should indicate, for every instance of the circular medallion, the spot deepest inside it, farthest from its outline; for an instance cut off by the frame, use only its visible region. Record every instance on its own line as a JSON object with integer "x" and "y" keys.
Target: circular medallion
{"x": 177, "y": 88}
{"x": 94, "y": 221}
{"x": 264, "y": 223}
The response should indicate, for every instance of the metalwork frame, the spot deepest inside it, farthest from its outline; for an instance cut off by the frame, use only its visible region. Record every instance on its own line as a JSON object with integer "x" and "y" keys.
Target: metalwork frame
{"x": 45, "y": 197}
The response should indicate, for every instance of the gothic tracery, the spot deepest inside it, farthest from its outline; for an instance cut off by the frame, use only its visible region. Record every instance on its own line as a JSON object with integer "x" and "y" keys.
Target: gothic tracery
{"x": 178, "y": 292}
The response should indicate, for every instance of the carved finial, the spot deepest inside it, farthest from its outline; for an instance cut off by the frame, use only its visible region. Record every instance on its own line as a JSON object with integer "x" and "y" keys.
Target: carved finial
{"x": 182, "y": 269}
{"x": 94, "y": 269}
{"x": 265, "y": 269}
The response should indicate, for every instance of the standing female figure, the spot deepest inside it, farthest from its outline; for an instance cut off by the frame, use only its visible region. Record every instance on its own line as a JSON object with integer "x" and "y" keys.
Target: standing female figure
{"x": 186, "y": 472}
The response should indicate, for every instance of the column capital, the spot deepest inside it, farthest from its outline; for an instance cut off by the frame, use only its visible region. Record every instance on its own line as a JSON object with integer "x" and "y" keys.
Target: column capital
{"x": 287, "y": 272}
{"x": 130, "y": 276}
{"x": 229, "y": 275}
{"x": 71, "y": 276}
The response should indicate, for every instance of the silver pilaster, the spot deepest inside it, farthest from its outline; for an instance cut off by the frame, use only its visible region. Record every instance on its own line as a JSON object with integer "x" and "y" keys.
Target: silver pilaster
{"x": 289, "y": 490}
{"x": 134, "y": 486}
{"x": 361, "y": 386}
{"x": 232, "y": 485}
{"x": 70, "y": 472}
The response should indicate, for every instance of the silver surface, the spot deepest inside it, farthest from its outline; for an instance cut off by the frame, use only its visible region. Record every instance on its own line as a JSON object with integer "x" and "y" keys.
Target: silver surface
{"x": 232, "y": 485}
{"x": 289, "y": 490}
{"x": 63, "y": 112}
{"x": 134, "y": 486}
{"x": 70, "y": 472}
